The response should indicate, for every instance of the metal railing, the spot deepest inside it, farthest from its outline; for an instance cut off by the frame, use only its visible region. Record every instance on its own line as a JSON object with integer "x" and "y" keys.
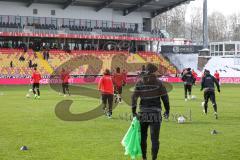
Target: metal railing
{"x": 30, "y": 29}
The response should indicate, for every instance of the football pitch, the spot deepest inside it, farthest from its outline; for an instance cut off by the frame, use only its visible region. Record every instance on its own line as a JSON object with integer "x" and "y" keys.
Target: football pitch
{"x": 33, "y": 123}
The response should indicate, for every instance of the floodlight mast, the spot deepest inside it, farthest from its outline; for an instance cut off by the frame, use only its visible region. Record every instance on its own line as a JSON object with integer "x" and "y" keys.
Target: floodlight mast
{"x": 205, "y": 25}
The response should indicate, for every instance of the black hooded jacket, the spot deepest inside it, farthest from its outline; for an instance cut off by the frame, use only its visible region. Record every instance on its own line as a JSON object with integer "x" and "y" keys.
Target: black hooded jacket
{"x": 150, "y": 90}
{"x": 188, "y": 78}
{"x": 208, "y": 83}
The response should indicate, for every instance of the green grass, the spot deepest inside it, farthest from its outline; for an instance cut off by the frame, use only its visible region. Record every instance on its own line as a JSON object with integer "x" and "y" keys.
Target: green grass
{"x": 25, "y": 121}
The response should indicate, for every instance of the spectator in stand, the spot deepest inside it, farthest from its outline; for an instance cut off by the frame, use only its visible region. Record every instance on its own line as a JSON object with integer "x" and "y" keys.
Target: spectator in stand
{"x": 34, "y": 65}
{"x": 11, "y": 64}
{"x": 44, "y": 54}
{"x": 21, "y": 58}
{"x": 25, "y": 48}
{"x": 217, "y": 76}
{"x": 30, "y": 64}
{"x": 55, "y": 46}
{"x": 143, "y": 71}
{"x": 48, "y": 55}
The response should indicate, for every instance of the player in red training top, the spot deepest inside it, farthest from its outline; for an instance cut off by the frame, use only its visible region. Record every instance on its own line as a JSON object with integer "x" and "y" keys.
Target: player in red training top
{"x": 194, "y": 75}
{"x": 106, "y": 88}
{"x": 65, "y": 77}
{"x": 36, "y": 77}
{"x": 118, "y": 81}
{"x": 217, "y": 76}
{"x": 124, "y": 73}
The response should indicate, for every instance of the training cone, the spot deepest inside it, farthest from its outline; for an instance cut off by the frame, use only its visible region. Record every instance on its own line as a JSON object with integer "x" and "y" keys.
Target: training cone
{"x": 24, "y": 148}
{"x": 214, "y": 132}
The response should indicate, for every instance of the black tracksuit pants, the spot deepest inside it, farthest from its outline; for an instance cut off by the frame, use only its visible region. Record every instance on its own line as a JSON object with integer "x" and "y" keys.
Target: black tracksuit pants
{"x": 187, "y": 90}
{"x": 155, "y": 132}
{"x": 65, "y": 88}
{"x": 107, "y": 98}
{"x": 36, "y": 86}
{"x": 210, "y": 95}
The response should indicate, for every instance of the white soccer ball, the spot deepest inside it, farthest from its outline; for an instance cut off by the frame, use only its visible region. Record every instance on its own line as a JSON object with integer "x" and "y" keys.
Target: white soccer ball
{"x": 194, "y": 97}
{"x": 30, "y": 90}
{"x": 181, "y": 120}
{"x": 203, "y": 103}
{"x": 27, "y": 95}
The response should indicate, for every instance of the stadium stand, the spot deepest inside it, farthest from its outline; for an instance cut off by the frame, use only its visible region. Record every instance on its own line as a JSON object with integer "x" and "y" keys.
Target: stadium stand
{"x": 116, "y": 36}
{"x": 166, "y": 66}
{"x": 226, "y": 66}
{"x": 58, "y": 57}
{"x": 20, "y": 63}
{"x": 42, "y": 27}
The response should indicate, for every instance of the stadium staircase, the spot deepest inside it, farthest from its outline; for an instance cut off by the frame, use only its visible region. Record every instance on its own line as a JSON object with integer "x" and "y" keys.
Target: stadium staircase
{"x": 158, "y": 59}
{"x": 135, "y": 58}
{"x": 44, "y": 63}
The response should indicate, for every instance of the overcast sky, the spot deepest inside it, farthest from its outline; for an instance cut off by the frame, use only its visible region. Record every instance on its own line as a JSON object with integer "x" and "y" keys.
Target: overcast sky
{"x": 226, "y": 7}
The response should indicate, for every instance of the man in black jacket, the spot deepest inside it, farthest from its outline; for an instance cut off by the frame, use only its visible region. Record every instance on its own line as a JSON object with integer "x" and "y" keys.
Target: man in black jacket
{"x": 150, "y": 90}
{"x": 188, "y": 80}
{"x": 209, "y": 91}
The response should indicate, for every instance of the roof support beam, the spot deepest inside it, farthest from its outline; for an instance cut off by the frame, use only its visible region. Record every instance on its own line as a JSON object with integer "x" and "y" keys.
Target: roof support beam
{"x": 30, "y": 2}
{"x": 68, "y": 3}
{"x": 135, "y": 7}
{"x": 104, "y": 5}
{"x": 160, "y": 11}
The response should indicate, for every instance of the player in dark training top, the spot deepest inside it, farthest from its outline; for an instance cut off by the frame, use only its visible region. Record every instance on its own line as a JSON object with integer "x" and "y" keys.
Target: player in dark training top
{"x": 188, "y": 80}
{"x": 208, "y": 86}
{"x": 151, "y": 91}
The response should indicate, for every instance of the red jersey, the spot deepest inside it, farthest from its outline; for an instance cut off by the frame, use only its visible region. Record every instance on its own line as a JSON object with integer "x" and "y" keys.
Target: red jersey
{"x": 118, "y": 79}
{"x": 106, "y": 85}
{"x": 124, "y": 77}
{"x": 194, "y": 74}
{"x": 217, "y": 76}
{"x": 36, "y": 77}
{"x": 65, "y": 77}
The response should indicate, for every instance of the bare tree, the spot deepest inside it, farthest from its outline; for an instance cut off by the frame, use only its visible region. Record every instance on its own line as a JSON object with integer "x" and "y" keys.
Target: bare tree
{"x": 221, "y": 28}
{"x": 234, "y": 27}
{"x": 172, "y": 21}
{"x": 218, "y": 27}
{"x": 196, "y": 25}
